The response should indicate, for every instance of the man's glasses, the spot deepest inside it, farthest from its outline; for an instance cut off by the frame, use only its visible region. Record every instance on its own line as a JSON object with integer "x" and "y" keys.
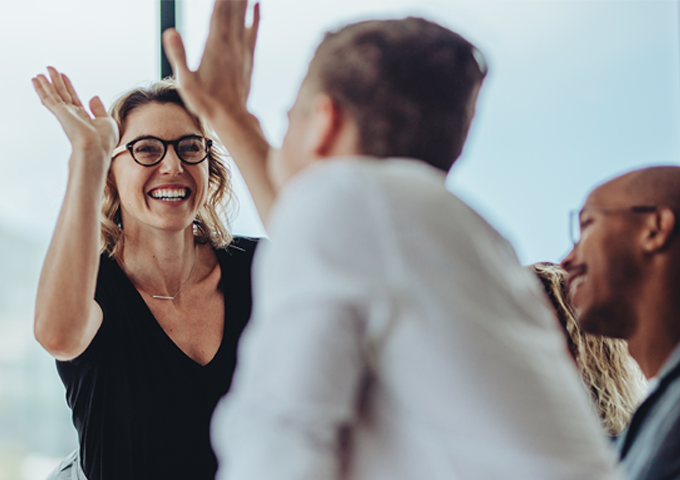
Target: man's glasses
{"x": 575, "y": 217}
{"x": 149, "y": 151}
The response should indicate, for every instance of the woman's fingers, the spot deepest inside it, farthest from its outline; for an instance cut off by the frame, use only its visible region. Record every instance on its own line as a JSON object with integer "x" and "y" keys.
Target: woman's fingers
{"x": 57, "y": 91}
{"x": 71, "y": 91}
{"x": 97, "y": 107}
{"x": 58, "y": 84}
{"x": 45, "y": 91}
{"x": 39, "y": 89}
{"x": 104, "y": 124}
{"x": 63, "y": 104}
{"x": 80, "y": 127}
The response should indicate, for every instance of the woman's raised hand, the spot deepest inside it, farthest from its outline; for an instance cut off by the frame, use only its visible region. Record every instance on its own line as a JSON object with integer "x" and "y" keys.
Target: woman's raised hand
{"x": 66, "y": 315}
{"x": 92, "y": 134}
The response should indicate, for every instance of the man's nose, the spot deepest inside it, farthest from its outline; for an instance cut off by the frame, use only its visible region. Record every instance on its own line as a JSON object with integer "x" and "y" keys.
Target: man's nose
{"x": 568, "y": 261}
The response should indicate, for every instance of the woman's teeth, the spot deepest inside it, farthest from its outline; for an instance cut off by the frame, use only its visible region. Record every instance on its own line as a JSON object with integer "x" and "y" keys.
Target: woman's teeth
{"x": 169, "y": 194}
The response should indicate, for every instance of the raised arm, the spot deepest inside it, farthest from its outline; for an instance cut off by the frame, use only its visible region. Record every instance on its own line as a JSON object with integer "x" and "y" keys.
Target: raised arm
{"x": 66, "y": 315}
{"x": 218, "y": 91}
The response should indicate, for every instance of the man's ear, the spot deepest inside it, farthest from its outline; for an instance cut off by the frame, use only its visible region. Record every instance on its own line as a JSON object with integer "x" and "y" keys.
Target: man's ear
{"x": 658, "y": 229}
{"x": 325, "y": 127}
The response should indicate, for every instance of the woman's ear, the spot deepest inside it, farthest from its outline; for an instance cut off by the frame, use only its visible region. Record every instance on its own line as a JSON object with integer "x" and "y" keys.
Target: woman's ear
{"x": 658, "y": 229}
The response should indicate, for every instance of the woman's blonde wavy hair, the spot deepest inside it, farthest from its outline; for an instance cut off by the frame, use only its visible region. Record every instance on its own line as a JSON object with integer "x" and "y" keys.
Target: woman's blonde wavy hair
{"x": 208, "y": 224}
{"x": 609, "y": 373}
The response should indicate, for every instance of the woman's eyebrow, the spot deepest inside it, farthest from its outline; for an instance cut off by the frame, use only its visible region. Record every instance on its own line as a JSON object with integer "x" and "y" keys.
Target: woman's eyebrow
{"x": 140, "y": 137}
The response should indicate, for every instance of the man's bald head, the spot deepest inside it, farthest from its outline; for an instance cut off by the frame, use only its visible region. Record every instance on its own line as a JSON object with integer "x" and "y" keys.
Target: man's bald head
{"x": 651, "y": 186}
{"x": 642, "y": 191}
{"x": 628, "y": 245}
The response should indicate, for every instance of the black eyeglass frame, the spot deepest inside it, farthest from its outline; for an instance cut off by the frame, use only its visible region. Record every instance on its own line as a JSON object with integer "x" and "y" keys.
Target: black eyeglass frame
{"x": 576, "y": 215}
{"x": 129, "y": 147}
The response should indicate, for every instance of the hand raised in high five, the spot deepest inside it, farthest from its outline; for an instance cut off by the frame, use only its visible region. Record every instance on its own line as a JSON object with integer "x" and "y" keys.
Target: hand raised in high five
{"x": 222, "y": 81}
{"x": 95, "y": 134}
{"x": 66, "y": 316}
{"x": 218, "y": 91}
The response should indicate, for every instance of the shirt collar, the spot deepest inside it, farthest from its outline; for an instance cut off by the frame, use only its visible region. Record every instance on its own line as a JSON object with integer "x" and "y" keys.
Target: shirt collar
{"x": 670, "y": 364}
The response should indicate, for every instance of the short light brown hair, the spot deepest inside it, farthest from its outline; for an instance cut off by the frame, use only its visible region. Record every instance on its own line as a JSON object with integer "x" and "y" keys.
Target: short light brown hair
{"x": 610, "y": 374}
{"x": 408, "y": 84}
{"x": 208, "y": 224}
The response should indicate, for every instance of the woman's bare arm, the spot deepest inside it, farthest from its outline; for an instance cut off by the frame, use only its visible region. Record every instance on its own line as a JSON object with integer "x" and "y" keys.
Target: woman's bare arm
{"x": 66, "y": 315}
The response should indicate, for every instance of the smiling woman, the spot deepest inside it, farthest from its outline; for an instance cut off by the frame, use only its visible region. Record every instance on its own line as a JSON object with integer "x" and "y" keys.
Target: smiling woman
{"x": 160, "y": 109}
{"x": 143, "y": 293}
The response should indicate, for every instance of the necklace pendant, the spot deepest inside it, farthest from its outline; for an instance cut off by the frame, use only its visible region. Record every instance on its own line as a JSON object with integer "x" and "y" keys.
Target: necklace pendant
{"x": 160, "y": 297}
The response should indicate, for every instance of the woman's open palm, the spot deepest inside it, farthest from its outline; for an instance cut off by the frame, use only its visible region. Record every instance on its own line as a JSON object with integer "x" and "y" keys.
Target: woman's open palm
{"x": 92, "y": 133}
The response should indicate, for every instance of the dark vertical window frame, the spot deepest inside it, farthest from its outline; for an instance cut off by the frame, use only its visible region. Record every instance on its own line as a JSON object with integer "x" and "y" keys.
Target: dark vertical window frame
{"x": 168, "y": 20}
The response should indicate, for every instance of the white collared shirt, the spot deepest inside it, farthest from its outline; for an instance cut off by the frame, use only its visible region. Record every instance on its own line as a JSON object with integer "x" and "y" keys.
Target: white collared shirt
{"x": 396, "y": 336}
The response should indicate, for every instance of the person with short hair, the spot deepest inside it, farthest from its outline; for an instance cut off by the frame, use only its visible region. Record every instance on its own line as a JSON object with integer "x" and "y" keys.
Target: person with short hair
{"x": 624, "y": 278}
{"x": 394, "y": 333}
{"x": 612, "y": 378}
{"x": 143, "y": 293}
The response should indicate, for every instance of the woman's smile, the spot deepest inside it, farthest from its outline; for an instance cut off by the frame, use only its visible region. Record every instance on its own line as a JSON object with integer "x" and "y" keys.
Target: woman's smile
{"x": 170, "y": 193}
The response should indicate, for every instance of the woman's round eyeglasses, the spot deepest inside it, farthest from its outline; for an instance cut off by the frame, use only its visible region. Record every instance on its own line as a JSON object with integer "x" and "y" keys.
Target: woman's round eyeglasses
{"x": 149, "y": 151}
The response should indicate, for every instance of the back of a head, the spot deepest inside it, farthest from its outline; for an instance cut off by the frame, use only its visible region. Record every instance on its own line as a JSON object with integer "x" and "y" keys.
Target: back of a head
{"x": 409, "y": 84}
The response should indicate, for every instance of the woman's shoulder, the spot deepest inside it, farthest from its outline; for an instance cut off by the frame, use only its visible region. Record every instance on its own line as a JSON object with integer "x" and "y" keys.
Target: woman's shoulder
{"x": 240, "y": 251}
{"x": 236, "y": 260}
{"x": 239, "y": 247}
{"x": 109, "y": 270}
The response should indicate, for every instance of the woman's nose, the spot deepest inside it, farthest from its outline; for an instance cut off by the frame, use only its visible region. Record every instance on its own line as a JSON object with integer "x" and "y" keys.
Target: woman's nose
{"x": 171, "y": 163}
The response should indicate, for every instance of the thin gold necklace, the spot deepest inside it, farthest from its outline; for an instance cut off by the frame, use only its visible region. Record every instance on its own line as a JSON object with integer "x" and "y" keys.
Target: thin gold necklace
{"x": 159, "y": 297}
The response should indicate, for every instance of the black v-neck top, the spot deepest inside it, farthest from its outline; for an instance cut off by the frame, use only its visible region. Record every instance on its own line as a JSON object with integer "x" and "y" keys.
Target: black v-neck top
{"x": 141, "y": 406}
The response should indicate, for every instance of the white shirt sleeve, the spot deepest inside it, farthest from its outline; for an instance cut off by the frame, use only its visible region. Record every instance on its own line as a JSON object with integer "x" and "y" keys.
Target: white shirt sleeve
{"x": 303, "y": 357}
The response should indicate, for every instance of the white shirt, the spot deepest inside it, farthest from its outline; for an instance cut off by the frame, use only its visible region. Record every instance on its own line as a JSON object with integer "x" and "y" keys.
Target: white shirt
{"x": 395, "y": 336}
